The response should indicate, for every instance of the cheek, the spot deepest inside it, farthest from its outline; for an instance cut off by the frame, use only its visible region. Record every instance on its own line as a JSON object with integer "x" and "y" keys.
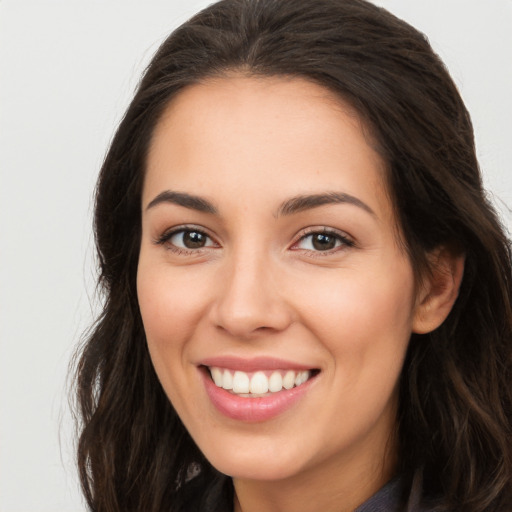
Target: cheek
{"x": 171, "y": 303}
{"x": 364, "y": 319}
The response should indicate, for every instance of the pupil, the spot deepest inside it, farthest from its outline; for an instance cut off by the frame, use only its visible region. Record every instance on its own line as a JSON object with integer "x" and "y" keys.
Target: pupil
{"x": 193, "y": 239}
{"x": 323, "y": 242}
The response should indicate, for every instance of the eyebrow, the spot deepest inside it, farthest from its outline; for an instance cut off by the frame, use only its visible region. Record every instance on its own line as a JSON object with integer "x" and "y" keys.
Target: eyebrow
{"x": 289, "y": 207}
{"x": 306, "y": 202}
{"x": 185, "y": 200}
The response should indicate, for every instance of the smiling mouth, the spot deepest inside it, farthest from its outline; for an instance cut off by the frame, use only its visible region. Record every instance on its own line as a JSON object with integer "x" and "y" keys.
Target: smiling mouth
{"x": 260, "y": 383}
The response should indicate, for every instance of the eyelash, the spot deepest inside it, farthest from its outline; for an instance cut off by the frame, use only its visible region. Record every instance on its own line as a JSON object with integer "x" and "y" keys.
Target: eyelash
{"x": 343, "y": 239}
{"x": 164, "y": 239}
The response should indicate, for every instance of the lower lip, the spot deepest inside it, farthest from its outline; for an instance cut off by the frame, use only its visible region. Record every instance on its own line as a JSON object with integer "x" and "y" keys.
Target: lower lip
{"x": 253, "y": 409}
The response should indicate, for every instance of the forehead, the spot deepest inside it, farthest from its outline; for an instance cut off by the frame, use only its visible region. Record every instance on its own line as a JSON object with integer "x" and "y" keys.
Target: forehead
{"x": 273, "y": 134}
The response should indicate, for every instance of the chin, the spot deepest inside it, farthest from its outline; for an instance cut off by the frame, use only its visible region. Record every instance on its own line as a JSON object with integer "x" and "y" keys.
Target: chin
{"x": 260, "y": 463}
{"x": 249, "y": 470}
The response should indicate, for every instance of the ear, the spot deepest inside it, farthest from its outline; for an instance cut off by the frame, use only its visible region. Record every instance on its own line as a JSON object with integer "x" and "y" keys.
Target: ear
{"x": 439, "y": 289}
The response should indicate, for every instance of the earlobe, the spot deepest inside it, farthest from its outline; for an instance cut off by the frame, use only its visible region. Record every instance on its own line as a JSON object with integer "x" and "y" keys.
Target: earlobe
{"x": 439, "y": 290}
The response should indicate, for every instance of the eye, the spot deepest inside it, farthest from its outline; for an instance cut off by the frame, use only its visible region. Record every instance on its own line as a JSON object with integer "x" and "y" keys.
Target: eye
{"x": 186, "y": 239}
{"x": 323, "y": 241}
{"x": 190, "y": 239}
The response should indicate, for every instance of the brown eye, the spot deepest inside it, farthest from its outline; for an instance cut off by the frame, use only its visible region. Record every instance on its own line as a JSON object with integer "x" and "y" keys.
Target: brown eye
{"x": 189, "y": 239}
{"x": 322, "y": 242}
{"x": 193, "y": 239}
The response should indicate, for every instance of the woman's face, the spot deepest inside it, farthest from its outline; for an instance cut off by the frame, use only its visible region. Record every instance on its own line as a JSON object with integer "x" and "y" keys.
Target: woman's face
{"x": 269, "y": 259}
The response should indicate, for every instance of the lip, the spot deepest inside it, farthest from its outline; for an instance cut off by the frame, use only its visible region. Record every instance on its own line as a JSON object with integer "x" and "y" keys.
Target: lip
{"x": 253, "y": 364}
{"x": 253, "y": 410}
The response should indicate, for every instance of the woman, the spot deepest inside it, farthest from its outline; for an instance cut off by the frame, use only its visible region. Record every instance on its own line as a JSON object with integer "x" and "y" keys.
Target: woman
{"x": 307, "y": 294}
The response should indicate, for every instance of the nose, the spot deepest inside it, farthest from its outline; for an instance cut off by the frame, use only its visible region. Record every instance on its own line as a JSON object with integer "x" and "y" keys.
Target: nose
{"x": 250, "y": 300}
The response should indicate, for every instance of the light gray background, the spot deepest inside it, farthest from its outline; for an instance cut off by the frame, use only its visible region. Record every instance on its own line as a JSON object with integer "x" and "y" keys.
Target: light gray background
{"x": 67, "y": 71}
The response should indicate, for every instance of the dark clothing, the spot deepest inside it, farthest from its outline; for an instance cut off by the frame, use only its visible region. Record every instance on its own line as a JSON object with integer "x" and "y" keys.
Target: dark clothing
{"x": 218, "y": 497}
{"x": 393, "y": 497}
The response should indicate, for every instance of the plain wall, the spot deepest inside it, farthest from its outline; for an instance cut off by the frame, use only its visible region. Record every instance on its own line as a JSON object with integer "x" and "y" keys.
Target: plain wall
{"x": 67, "y": 71}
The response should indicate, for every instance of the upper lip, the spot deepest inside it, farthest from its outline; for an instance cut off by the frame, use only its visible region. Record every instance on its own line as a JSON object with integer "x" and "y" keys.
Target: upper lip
{"x": 253, "y": 364}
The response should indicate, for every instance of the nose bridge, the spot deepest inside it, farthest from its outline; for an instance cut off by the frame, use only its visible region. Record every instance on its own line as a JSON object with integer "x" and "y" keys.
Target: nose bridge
{"x": 248, "y": 300}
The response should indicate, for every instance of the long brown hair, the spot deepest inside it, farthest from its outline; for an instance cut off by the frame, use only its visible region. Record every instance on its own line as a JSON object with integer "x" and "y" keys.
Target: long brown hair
{"x": 455, "y": 411}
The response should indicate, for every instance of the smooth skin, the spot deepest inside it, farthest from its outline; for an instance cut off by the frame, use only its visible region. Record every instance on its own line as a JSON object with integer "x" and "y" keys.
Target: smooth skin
{"x": 240, "y": 270}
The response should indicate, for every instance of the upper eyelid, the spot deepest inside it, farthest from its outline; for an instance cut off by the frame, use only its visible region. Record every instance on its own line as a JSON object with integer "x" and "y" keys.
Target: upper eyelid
{"x": 303, "y": 233}
{"x": 324, "y": 230}
{"x": 170, "y": 232}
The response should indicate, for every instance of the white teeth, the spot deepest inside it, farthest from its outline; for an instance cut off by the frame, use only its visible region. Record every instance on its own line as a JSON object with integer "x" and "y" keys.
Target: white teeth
{"x": 301, "y": 378}
{"x": 289, "y": 380}
{"x": 275, "y": 383}
{"x": 217, "y": 376}
{"x": 258, "y": 383}
{"x": 227, "y": 380}
{"x": 241, "y": 382}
